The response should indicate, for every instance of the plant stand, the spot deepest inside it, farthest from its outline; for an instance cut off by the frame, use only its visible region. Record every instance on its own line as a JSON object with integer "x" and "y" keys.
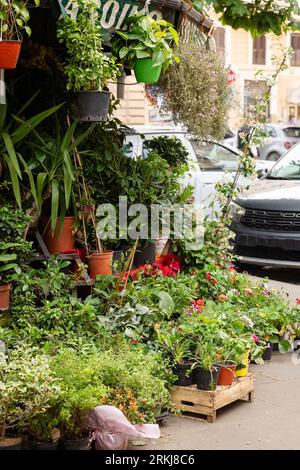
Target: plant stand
{"x": 86, "y": 281}
{"x": 206, "y": 402}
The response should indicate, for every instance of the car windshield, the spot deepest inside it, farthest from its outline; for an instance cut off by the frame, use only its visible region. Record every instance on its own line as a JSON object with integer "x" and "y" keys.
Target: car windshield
{"x": 292, "y": 131}
{"x": 214, "y": 157}
{"x": 287, "y": 167}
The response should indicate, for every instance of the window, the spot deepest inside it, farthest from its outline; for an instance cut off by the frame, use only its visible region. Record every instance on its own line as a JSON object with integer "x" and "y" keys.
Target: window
{"x": 270, "y": 131}
{"x": 292, "y": 131}
{"x": 219, "y": 37}
{"x": 259, "y": 50}
{"x": 253, "y": 92}
{"x": 214, "y": 157}
{"x": 295, "y": 44}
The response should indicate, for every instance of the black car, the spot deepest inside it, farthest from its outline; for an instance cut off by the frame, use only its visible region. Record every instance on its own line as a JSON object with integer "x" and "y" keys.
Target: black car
{"x": 266, "y": 218}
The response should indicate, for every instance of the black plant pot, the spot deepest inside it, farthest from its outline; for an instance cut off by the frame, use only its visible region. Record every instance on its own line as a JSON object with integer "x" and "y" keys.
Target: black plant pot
{"x": 74, "y": 444}
{"x": 267, "y": 354}
{"x": 181, "y": 370}
{"x": 145, "y": 254}
{"x": 207, "y": 379}
{"x": 275, "y": 347}
{"x": 36, "y": 445}
{"x": 92, "y": 106}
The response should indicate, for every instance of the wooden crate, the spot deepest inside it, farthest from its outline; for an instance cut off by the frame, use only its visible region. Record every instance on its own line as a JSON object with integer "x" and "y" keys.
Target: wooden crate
{"x": 206, "y": 402}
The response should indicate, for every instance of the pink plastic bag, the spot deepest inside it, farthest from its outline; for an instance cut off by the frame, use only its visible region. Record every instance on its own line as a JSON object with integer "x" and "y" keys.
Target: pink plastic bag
{"x": 110, "y": 429}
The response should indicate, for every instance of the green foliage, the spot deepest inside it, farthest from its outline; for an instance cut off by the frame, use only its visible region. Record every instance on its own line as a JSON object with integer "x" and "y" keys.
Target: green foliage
{"x": 13, "y": 135}
{"x": 14, "y": 17}
{"x": 88, "y": 68}
{"x": 257, "y": 16}
{"x": 196, "y": 91}
{"x": 27, "y": 389}
{"x": 146, "y": 38}
{"x": 170, "y": 149}
{"x": 13, "y": 246}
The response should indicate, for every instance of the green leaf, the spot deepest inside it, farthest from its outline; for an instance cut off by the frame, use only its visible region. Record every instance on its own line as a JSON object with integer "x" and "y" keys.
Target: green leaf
{"x": 166, "y": 303}
{"x": 123, "y": 52}
{"x": 31, "y": 179}
{"x": 11, "y": 152}
{"x": 284, "y": 346}
{"x": 40, "y": 181}
{"x": 67, "y": 186}
{"x": 54, "y": 204}
{"x": 14, "y": 180}
{"x": 158, "y": 57}
{"x": 142, "y": 54}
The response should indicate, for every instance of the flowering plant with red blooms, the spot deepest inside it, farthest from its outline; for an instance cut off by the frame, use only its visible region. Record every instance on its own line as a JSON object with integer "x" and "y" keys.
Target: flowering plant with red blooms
{"x": 231, "y": 268}
{"x": 196, "y": 306}
{"x": 298, "y": 301}
{"x": 209, "y": 278}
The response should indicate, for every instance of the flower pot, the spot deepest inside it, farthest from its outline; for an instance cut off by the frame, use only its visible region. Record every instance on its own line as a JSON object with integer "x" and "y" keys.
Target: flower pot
{"x": 62, "y": 242}
{"x": 267, "y": 353}
{"x": 181, "y": 370}
{"x": 92, "y": 106}
{"x": 100, "y": 263}
{"x": 145, "y": 254}
{"x": 4, "y": 296}
{"x": 36, "y": 445}
{"x": 243, "y": 372}
{"x": 11, "y": 443}
{"x": 9, "y": 54}
{"x": 146, "y": 72}
{"x": 227, "y": 373}
{"x": 74, "y": 444}
{"x": 207, "y": 379}
{"x": 275, "y": 347}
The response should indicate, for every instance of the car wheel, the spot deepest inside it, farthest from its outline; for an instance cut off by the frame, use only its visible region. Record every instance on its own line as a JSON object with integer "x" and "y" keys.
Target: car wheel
{"x": 273, "y": 156}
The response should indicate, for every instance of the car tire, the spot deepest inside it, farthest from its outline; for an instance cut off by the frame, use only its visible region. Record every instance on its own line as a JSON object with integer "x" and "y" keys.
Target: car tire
{"x": 273, "y": 156}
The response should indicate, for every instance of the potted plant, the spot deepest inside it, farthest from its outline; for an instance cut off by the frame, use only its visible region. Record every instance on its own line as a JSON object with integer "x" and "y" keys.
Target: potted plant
{"x": 88, "y": 68}
{"x": 13, "y": 247}
{"x": 146, "y": 47}
{"x": 14, "y": 17}
{"x": 207, "y": 369}
{"x": 178, "y": 348}
{"x": 28, "y": 390}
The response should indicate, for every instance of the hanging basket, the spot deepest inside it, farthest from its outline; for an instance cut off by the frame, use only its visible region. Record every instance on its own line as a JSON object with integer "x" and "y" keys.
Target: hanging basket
{"x": 92, "y": 106}
{"x": 146, "y": 72}
{"x": 9, "y": 54}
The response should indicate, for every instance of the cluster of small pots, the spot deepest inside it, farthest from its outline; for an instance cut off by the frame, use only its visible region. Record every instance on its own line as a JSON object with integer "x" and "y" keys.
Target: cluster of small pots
{"x": 206, "y": 379}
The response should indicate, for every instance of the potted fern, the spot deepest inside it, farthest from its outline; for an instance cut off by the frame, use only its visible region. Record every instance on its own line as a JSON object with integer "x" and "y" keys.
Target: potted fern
{"x": 14, "y": 17}
{"x": 146, "y": 47}
{"x": 88, "y": 68}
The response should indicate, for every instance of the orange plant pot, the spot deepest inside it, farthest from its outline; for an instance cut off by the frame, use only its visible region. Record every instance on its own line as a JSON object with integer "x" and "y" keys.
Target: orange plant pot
{"x": 100, "y": 263}
{"x": 63, "y": 242}
{"x": 9, "y": 54}
{"x": 227, "y": 374}
{"x": 4, "y": 296}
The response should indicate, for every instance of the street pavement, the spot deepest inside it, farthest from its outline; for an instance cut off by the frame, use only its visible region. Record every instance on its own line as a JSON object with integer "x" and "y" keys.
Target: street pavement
{"x": 271, "y": 422}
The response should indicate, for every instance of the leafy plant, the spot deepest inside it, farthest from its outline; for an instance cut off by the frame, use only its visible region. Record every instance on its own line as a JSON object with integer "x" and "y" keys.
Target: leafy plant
{"x": 12, "y": 136}
{"x": 196, "y": 91}
{"x": 28, "y": 389}
{"x": 146, "y": 38}
{"x": 88, "y": 67}
{"x": 14, "y": 17}
{"x": 170, "y": 149}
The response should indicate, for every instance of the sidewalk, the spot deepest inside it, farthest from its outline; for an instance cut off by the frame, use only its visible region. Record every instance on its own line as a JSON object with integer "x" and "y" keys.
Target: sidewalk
{"x": 271, "y": 422}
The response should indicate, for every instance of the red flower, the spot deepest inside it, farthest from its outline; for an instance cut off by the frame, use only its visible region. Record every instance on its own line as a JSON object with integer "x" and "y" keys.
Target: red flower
{"x": 231, "y": 268}
{"x": 214, "y": 282}
{"x": 134, "y": 341}
{"x": 208, "y": 276}
{"x": 199, "y": 302}
{"x": 298, "y": 301}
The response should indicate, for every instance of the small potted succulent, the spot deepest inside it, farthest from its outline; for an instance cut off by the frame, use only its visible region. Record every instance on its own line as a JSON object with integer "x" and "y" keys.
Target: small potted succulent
{"x": 146, "y": 47}
{"x": 88, "y": 68}
{"x": 14, "y": 17}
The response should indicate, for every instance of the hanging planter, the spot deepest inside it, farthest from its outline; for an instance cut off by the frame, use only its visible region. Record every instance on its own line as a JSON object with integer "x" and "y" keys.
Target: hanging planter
{"x": 92, "y": 106}
{"x": 146, "y": 71}
{"x": 146, "y": 47}
{"x": 100, "y": 263}
{"x": 9, "y": 54}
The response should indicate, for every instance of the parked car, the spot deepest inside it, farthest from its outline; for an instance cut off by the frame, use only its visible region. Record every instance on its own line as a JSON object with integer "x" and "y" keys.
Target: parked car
{"x": 266, "y": 217}
{"x": 208, "y": 162}
{"x": 279, "y": 138}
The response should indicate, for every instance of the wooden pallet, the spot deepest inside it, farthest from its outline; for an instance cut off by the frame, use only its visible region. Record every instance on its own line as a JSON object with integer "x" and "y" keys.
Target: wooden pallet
{"x": 206, "y": 402}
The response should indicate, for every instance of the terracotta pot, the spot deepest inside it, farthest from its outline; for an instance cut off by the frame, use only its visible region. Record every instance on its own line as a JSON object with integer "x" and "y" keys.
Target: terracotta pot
{"x": 227, "y": 373}
{"x": 9, "y": 54}
{"x": 64, "y": 241}
{"x": 4, "y": 296}
{"x": 100, "y": 263}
